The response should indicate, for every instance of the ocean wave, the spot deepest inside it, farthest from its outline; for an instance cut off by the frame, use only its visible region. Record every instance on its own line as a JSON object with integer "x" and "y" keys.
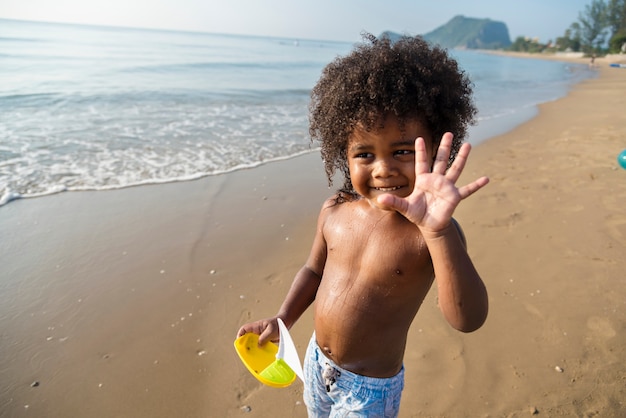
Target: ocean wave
{"x": 21, "y": 39}
{"x": 11, "y": 99}
{"x": 181, "y": 68}
{"x": 7, "y": 195}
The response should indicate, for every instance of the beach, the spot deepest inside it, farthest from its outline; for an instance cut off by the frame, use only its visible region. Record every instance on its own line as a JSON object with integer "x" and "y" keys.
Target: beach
{"x": 126, "y": 303}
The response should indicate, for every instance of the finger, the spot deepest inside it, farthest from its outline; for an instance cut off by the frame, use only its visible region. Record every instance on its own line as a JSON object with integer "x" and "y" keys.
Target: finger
{"x": 267, "y": 335}
{"x": 396, "y": 203}
{"x": 242, "y": 331}
{"x": 263, "y": 339}
{"x": 443, "y": 154}
{"x": 247, "y": 328}
{"x": 473, "y": 187}
{"x": 422, "y": 165}
{"x": 455, "y": 170}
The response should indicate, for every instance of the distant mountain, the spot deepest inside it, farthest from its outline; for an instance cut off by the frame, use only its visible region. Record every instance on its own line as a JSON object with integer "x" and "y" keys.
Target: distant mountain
{"x": 467, "y": 33}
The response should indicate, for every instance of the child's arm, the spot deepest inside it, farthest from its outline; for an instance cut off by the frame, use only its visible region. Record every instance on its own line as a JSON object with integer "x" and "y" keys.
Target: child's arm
{"x": 301, "y": 294}
{"x": 462, "y": 294}
{"x": 299, "y": 297}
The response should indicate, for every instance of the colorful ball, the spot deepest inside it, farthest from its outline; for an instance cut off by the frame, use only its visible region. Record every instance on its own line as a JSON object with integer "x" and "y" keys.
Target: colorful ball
{"x": 621, "y": 159}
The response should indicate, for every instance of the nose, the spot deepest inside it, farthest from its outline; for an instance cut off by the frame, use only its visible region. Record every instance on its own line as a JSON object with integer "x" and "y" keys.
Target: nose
{"x": 384, "y": 167}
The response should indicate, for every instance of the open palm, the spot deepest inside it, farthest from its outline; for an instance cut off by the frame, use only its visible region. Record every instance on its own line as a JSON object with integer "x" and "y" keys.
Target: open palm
{"x": 435, "y": 195}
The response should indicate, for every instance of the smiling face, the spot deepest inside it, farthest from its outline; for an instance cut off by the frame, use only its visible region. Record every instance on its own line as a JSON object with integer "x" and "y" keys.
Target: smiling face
{"x": 383, "y": 161}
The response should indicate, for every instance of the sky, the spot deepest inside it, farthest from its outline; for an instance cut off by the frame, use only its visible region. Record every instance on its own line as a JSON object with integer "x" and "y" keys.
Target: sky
{"x": 335, "y": 20}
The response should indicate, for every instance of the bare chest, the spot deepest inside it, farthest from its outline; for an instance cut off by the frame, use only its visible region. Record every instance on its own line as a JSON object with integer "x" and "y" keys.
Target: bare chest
{"x": 377, "y": 249}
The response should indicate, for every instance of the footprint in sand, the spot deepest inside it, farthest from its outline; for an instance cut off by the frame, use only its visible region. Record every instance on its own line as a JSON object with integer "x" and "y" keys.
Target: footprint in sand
{"x": 508, "y": 221}
{"x": 601, "y": 326}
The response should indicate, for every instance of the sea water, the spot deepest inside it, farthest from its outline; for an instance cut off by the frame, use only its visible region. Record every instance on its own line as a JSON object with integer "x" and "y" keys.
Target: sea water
{"x": 95, "y": 108}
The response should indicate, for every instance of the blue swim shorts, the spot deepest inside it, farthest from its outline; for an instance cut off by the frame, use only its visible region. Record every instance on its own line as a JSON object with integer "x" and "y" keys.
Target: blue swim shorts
{"x": 331, "y": 391}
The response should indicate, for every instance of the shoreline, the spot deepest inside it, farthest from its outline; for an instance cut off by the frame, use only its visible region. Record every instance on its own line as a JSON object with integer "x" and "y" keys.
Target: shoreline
{"x": 12, "y": 196}
{"x": 564, "y": 57}
{"x": 126, "y": 302}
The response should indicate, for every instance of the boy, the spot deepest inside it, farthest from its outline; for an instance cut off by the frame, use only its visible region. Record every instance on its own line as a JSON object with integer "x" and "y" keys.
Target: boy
{"x": 382, "y": 115}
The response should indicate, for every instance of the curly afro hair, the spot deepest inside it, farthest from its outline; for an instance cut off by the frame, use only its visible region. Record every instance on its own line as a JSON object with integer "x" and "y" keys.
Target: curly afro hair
{"x": 408, "y": 78}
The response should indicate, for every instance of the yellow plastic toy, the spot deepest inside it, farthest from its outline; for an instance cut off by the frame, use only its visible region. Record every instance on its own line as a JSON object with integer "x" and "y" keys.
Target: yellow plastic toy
{"x": 269, "y": 363}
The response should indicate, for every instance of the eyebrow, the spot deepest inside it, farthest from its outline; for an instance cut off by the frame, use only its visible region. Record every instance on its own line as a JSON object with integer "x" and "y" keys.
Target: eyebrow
{"x": 360, "y": 147}
{"x": 406, "y": 142}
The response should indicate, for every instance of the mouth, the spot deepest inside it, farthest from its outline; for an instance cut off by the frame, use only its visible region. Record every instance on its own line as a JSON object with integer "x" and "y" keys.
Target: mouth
{"x": 388, "y": 189}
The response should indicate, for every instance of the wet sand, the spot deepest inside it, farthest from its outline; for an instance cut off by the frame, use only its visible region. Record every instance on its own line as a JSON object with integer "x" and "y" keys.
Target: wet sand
{"x": 126, "y": 303}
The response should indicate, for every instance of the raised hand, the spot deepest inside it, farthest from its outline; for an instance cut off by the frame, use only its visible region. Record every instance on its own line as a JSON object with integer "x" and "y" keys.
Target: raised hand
{"x": 435, "y": 195}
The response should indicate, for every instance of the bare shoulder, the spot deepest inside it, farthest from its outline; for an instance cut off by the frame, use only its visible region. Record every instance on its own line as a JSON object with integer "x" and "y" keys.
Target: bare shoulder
{"x": 336, "y": 211}
{"x": 331, "y": 202}
{"x": 329, "y": 207}
{"x": 336, "y": 204}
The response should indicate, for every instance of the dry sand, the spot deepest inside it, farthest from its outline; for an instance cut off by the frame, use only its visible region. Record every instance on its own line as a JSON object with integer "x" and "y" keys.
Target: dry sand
{"x": 126, "y": 303}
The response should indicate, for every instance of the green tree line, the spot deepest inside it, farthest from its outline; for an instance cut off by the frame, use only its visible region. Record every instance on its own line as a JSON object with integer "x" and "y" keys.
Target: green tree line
{"x": 599, "y": 22}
